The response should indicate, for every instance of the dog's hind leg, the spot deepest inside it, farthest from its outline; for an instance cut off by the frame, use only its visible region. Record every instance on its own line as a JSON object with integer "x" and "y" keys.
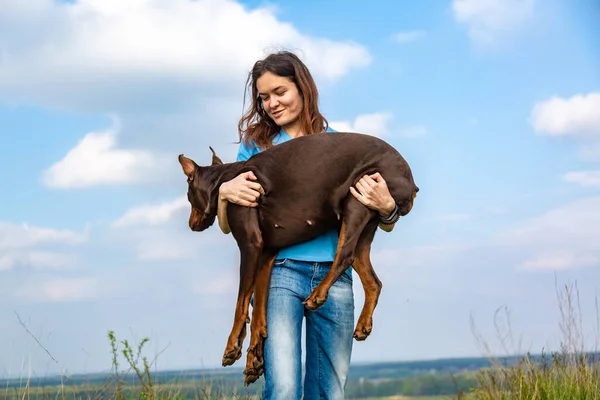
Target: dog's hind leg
{"x": 243, "y": 222}
{"x": 370, "y": 282}
{"x": 258, "y": 326}
{"x": 355, "y": 217}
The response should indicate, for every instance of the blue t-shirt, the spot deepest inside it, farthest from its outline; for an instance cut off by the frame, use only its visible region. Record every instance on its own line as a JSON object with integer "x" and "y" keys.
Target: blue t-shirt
{"x": 320, "y": 249}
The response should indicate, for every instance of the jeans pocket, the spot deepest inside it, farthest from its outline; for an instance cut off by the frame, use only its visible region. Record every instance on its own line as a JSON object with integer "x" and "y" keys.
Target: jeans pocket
{"x": 279, "y": 262}
{"x": 346, "y": 276}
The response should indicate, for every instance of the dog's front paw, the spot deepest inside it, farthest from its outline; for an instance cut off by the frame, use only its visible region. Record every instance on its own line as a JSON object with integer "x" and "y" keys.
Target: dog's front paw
{"x": 315, "y": 300}
{"x": 363, "y": 329}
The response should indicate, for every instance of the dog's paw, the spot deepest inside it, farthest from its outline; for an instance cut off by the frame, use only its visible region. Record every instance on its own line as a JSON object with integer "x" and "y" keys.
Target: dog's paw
{"x": 314, "y": 301}
{"x": 233, "y": 350}
{"x": 363, "y": 329}
{"x": 255, "y": 364}
{"x": 251, "y": 375}
{"x": 255, "y": 361}
{"x": 231, "y": 355}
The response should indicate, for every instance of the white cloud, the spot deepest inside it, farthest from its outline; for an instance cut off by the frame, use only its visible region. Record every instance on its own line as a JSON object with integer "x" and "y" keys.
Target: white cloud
{"x": 566, "y": 236}
{"x": 160, "y": 232}
{"x": 376, "y": 124}
{"x": 25, "y": 235}
{"x": 577, "y": 221}
{"x": 22, "y": 244}
{"x": 60, "y": 289}
{"x": 176, "y": 88}
{"x": 158, "y": 236}
{"x": 103, "y": 53}
{"x": 221, "y": 284}
{"x": 408, "y": 36}
{"x": 577, "y": 116}
{"x": 562, "y": 238}
{"x": 560, "y": 261}
{"x": 486, "y": 20}
{"x": 161, "y": 248}
{"x": 152, "y": 214}
{"x": 583, "y": 178}
{"x": 95, "y": 160}
{"x": 168, "y": 239}
{"x": 35, "y": 259}
{"x": 574, "y": 117}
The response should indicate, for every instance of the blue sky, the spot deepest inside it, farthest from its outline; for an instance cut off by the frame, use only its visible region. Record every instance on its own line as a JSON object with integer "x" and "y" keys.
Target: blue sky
{"x": 495, "y": 104}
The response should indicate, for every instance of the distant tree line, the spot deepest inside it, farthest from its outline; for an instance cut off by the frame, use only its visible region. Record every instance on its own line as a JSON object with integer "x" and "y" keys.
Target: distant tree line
{"x": 421, "y": 385}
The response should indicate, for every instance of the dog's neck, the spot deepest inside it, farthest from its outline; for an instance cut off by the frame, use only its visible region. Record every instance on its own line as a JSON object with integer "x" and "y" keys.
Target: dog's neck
{"x": 216, "y": 175}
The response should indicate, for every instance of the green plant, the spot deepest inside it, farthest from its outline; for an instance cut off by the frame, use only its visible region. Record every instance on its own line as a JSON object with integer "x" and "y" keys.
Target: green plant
{"x": 571, "y": 373}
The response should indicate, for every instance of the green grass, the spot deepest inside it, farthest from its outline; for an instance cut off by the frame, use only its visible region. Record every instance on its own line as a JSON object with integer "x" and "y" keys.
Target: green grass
{"x": 561, "y": 376}
{"x": 569, "y": 374}
{"x": 409, "y": 398}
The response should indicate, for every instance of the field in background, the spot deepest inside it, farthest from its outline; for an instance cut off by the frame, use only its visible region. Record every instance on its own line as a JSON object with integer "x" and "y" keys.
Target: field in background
{"x": 571, "y": 373}
{"x": 379, "y": 380}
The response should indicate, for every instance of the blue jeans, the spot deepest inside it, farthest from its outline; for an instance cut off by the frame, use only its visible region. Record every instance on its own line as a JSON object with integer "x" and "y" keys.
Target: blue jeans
{"x": 328, "y": 333}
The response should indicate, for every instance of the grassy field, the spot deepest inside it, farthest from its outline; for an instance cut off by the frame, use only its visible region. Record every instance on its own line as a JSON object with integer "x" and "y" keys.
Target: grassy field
{"x": 410, "y": 398}
{"x": 569, "y": 374}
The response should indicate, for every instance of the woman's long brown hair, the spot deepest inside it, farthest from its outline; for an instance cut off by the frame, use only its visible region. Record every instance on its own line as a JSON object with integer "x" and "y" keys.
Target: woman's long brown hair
{"x": 256, "y": 125}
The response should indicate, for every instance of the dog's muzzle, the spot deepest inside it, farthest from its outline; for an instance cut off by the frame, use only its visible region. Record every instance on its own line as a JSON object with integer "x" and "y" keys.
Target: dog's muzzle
{"x": 202, "y": 223}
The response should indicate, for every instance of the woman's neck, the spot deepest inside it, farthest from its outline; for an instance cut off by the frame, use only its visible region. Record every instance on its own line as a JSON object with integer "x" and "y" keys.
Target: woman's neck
{"x": 293, "y": 130}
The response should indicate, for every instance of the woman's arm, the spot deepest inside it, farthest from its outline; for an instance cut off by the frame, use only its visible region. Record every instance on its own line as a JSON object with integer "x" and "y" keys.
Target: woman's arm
{"x": 222, "y": 214}
{"x": 372, "y": 191}
{"x": 240, "y": 190}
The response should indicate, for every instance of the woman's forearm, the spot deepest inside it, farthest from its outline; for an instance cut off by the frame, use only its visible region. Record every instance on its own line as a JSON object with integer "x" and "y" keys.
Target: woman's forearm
{"x": 222, "y": 214}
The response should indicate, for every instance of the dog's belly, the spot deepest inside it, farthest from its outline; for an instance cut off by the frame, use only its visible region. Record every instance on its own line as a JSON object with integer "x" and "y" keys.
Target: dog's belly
{"x": 283, "y": 227}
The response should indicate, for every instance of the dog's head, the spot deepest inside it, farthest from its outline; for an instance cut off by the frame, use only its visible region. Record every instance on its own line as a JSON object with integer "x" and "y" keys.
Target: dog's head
{"x": 201, "y": 192}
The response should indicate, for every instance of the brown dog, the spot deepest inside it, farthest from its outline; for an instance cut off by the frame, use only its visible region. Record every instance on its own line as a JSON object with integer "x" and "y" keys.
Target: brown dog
{"x": 306, "y": 182}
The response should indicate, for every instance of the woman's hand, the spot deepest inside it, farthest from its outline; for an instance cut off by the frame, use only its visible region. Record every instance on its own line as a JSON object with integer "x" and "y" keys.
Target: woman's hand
{"x": 372, "y": 191}
{"x": 241, "y": 190}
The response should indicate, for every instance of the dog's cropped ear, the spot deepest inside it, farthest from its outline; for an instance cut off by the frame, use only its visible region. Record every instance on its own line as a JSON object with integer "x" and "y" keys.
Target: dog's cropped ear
{"x": 215, "y": 160}
{"x": 188, "y": 165}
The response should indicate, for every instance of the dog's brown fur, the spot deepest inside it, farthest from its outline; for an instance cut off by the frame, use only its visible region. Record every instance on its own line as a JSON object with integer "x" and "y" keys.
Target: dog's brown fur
{"x": 306, "y": 183}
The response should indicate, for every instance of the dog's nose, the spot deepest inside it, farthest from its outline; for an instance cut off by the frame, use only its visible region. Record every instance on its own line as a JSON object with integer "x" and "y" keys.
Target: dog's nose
{"x": 194, "y": 227}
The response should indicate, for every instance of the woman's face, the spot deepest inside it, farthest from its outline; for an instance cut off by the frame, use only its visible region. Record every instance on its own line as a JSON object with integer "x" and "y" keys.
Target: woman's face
{"x": 280, "y": 98}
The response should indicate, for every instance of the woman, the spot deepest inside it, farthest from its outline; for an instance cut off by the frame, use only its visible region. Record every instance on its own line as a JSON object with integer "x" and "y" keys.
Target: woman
{"x": 285, "y": 106}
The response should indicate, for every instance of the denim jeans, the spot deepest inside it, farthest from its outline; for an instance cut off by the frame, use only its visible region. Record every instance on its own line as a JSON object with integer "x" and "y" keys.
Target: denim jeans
{"x": 328, "y": 333}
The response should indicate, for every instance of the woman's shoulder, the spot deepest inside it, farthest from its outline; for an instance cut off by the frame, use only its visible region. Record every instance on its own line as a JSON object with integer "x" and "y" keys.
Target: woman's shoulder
{"x": 247, "y": 149}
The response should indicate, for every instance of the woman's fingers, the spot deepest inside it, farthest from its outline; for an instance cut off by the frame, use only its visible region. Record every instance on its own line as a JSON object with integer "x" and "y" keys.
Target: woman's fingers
{"x": 255, "y": 186}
